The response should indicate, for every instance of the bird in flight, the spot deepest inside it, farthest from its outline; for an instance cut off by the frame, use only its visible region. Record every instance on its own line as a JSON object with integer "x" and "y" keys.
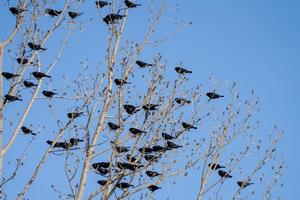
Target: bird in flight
{"x": 9, "y": 75}
{"x": 52, "y": 12}
{"x": 143, "y": 64}
{"x": 224, "y": 174}
{"x": 34, "y": 46}
{"x": 74, "y": 15}
{"x": 181, "y": 70}
{"x": 101, "y": 4}
{"x": 39, "y": 75}
{"x": 213, "y": 95}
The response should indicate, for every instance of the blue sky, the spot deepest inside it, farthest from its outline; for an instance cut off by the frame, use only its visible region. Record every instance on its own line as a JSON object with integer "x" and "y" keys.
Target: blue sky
{"x": 255, "y": 43}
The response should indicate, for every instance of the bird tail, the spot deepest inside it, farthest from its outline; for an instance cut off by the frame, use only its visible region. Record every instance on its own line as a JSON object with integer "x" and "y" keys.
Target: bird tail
{"x": 49, "y": 142}
{"x": 43, "y": 49}
{"x": 221, "y": 95}
{"x": 189, "y": 71}
{"x": 48, "y": 76}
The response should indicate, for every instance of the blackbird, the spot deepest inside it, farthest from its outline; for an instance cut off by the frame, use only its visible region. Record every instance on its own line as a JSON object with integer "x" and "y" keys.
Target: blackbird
{"x": 120, "y": 82}
{"x": 11, "y": 98}
{"x": 143, "y": 64}
{"x": 151, "y": 157}
{"x": 150, "y": 106}
{"x": 29, "y": 84}
{"x": 73, "y": 115}
{"x": 243, "y": 184}
{"x": 152, "y": 188}
{"x": 136, "y": 131}
{"x": 27, "y": 131}
{"x": 130, "y": 4}
{"x": 102, "y": 182}
{"x": 130, "y": 159}
{"x": 171, "y": 145}
{"x": 166, "y": 136}
{"x": 39, "y": 75}
{"x": 130, "y": 109}
{"x": 215, "y": 166}
{"x": 64, "y": 145}
{"x": 113, "y": 126}
{"x": 16, "y": 11}
{"x": 112, "y": 18}
{"x": 48, "y": 94}
{"x": 53, "y": 12}
{"x": 157, "y": 148}
{"x": 101, "y": 4}
{"x": 22, "y": 61}
{"x": 145, "y": 150}
{"x": 152, "y": 174}
{"x": 188, "y": 126}
{"x": 181, "y": 70}
{"x": 100, "y": 165}
{"x": 123, "y": 185}
{"x": 75, "y": 141}
{"x": 73, "y": 15}
{"x": 224, "y": 174}
{"x": 34, "y": 46}
{"x": 9, "y": 75}
{"x": 182, "y": 101}
{"x": 213, "y": 95}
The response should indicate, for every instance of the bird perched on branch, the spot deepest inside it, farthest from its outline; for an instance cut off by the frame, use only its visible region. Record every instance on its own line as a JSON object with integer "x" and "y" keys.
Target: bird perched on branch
{"x": 130, "y": 158}
{"x": 181, "y": 70}
{"x": 27, "y": 131}
{"x": 157, "y": 148}
{"x": 121, "y": 82}
{"x": 145, "y": 150}
{"x": 74, "y": 15}
{"x": 130, "y": 109}
{"x": 136, "y": 131}
{"x": 243, "y": 184}
{"x": 215, "y": 166}
{"x": 152, "y": 188}
{"x": 151, "y": 157}
{"x": 48, "y": 94}
{"x": 171, "y": 145}
{"x": 188, "y": 126}
{"x": 39, "y": 75}
{"x": 53, "y": 12}
{"x": 112, "y": 18}
{"x": 64, "y": 145}
{"x": 129, "y": 166}
{"x": 213, "y": 95}
{"x": 9, "y": 75}
{"x": 120, "y": 149}
{"x": 29, "y": 84}
{"x": 75, "y": 141}
{"x": 123, "y": 185}
{"x": 102, "y": 182}
{"x": 166, "y": 136}
{"x": 130, "y": 4}
{"x": 11, "y": 98}
{"x": 22, "y": 61}
{"x": 224, "y": 174}
{"x": 16, "y": 11}
{"x": 182, "y": 101}
{"x": 150, "y": 106}
{"x": 73, "y": 115}
{"x": 143, "y": 64}
{"x": 100, "y": 165}
{"x": 34, "y": 46}
{"x": 113, "y": 126}
{"x": 101, "y": 4}
{"x": 152, "y": 174}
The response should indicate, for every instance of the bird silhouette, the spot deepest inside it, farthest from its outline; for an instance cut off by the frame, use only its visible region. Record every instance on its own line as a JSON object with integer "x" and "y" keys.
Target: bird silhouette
{"x": 112, "y": 18}
{"x": 213, "y": 95}
{"x": 75, "y": 141}
{"x": 48, "y": 94}
{"x": 152, "y": 174}
{"x": 34, "y": 46}
{"x": 130, "y": 109}
{"x": 166, "y": 136}
{"x": 102, "y": 182}
{"x": 120, "y": 82}
{"x": 149, "y": 157}
{"x": 64, "y": 145}
{"x": 130, "y": 4}
{"x": 22, "y": 61}
{"x": 53, "y": 12}
{"x": 9, "y": 75}
{"x": 171, "y": 145}
{"x": 74, "y": 15}
{"x": 215, "y": 166}
{"x": 113, "y": 126}
{"x": 120, "y": 149}
{"x": 150, "y": 106}
{"x": 145, "y": 150}
{"x": 224, "y": 174}
{"x": 102, "y": 171}
{"x": 73, "y": 115}
{"x": 100, "y": 165}
{"x": 188, "y": 126}
{"x": 157, "y": 148}
{"x": 136, "y": 131}
{"x": 153, "y": 188}
{"x": 182, "y": 101}
{"x": 29, "y": 84}
{"x": 143, "y": 64}
{"x": 16, "y": 11}
{"x": 123, "y": 185}
{"x": 39, "y": 75}
{"x": 130, "y": 158}
{"x": 11, "y": 98}
{"x": 101, "y": 4}
{"x": 129, "y": 166}
{"x": 243, "y": 184}
{"x": 27, "y": 131}
{"x": 181, "y": 70}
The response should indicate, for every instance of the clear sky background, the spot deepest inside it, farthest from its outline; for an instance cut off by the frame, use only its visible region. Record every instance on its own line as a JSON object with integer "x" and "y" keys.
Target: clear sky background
{"x": 255, "y": 43}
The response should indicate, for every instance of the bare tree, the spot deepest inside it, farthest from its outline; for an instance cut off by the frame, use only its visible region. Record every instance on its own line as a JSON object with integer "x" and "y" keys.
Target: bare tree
{"x": 129, "y": 124}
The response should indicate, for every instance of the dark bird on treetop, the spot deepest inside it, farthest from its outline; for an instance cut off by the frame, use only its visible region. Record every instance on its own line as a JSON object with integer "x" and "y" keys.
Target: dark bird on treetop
{"x": 182, "y": 101}
{"x": 130, "y": 109}
{"x": 48, "y": 94}
{"x": 136, "y": 131}
{"x": 120, "y": 82}
{"x": 16, "y": 11}
{"x": 34, "y": 46}
{"x": 152, "y": 174}
{"x": 130, "y": 4}
{"x": 102, "y": 182}
{"x": 73, "y": 115}
{"x": 29, "y": 84}
{"x": 166, "y": 136}
{"x": 181, "y": 70}
{"x": 213, "y": 95}
{"x": 101, "y": 4}
{"x": 123, "y": 185}
{"x": 39, "y": 75}
{"x": 150, "y": 106}
{"x": 27, "y": 131}
{"x": 22, "y": 61}
{"x": 53, "y": 12}
{"x": 143, "y": 64}
{"x": 152, "y": 188}
{"x": 215, "y": 166}
{"x": 224, "y": 174}
{"x": 243, "y": 184}
{"x": 9, "y": 75}
{"x": 112, "y": 18}
{"x": 11, "y": 98}
{"x": 113, "y": 126}
{"x": 73, "y": 15}
{"x": 171, "y": 145}
{"x": 188, "y": 126}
